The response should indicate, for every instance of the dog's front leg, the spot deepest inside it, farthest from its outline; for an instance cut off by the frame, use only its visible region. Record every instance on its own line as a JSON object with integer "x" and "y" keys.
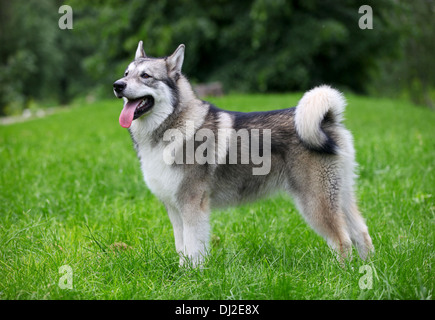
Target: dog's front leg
{"x": 196, "y": 231}
{"x": 177, "y": 224}
{"x": 195, "y": 213}
{"x": 191, "y": 232}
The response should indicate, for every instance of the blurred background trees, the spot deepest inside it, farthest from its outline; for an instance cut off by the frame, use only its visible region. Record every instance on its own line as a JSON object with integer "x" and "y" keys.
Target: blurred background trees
{"x": 250, "y": 46}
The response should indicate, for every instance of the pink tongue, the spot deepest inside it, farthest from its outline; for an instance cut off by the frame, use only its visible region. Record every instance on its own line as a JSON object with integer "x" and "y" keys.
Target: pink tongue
{"x": 127, "y": 113}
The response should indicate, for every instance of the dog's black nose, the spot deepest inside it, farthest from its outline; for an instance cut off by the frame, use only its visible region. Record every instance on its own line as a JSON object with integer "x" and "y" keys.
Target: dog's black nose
{"x": 118, "y": 86}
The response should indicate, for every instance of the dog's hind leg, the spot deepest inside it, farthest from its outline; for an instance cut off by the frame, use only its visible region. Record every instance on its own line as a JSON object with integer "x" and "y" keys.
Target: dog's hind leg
{"x": 356, "y": 225}
{"x": 328, "y": 222}
{"x": 318, "y": 198}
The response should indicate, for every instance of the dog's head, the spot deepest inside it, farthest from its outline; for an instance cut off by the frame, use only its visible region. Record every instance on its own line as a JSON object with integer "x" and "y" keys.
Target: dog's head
{"x": 149, "y": 84}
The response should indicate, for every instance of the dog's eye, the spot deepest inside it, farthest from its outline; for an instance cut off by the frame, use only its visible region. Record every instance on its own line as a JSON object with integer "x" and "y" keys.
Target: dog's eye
{"x": 126, "y": 73}
{"x": 145, "y": 75}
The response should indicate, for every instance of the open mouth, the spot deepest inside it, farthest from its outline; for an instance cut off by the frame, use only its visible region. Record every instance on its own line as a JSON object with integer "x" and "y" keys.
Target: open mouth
{"x": 144, "y": 106}
{"x": 134, "y": 109}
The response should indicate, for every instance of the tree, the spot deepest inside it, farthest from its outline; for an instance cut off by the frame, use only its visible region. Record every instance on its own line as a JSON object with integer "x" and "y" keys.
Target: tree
{"x": 260, "y": 45}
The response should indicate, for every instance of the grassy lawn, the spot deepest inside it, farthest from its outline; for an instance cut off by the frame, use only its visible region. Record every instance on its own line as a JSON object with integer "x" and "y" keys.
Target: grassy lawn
{"x": 71, "y": 193}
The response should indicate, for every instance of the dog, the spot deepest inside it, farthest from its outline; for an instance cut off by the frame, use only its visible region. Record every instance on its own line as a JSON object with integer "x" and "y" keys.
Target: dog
{"x": 196, "y": 157}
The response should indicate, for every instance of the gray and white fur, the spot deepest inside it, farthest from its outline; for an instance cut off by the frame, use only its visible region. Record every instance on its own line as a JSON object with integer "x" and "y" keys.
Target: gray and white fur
{"x": 312, "y": 157}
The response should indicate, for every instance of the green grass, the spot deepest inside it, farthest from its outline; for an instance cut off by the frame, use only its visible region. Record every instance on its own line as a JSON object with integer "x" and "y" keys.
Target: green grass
{"x": 71, "y": 187}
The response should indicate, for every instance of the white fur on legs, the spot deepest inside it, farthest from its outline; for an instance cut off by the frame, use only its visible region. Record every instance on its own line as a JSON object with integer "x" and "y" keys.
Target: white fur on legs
{"x": 177, "y": 225}
{"x": 196, "y": 231}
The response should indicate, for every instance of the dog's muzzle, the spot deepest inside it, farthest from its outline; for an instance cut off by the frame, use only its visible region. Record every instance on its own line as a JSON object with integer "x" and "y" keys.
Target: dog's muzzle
{"x": 119, "y": 87}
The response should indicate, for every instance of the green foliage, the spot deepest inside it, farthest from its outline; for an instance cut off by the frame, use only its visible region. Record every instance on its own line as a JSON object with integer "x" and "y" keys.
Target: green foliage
{"x": 248, "y": 45}
{"x": 251, "y": 46}
{"x": 412, "y": 70}
{"x": 38, "y": 60}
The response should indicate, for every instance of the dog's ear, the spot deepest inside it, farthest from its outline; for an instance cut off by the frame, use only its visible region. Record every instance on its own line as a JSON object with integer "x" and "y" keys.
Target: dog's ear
{"x": 140, "y": 53}
{"x": 175, "y": 61}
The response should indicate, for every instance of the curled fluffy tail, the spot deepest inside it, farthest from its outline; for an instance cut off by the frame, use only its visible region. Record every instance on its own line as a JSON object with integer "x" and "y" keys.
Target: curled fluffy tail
{"x": 317, "y": 114}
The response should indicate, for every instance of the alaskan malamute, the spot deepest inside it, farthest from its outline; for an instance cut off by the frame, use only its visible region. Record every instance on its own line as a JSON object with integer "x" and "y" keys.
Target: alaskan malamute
{"x": 195, "y": 157}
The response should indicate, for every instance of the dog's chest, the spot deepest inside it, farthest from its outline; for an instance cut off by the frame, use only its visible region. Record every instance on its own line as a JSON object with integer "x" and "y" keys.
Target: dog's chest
{"x": 162, "y": 179}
